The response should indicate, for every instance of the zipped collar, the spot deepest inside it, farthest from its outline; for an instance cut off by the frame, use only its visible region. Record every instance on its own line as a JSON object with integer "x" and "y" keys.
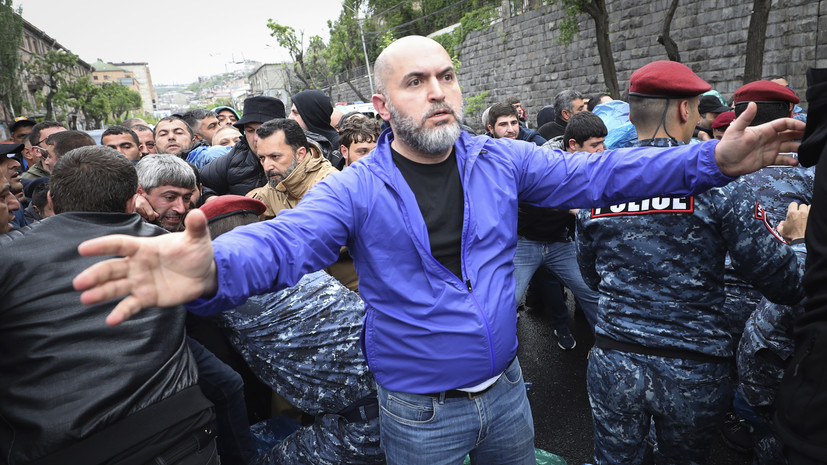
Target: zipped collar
{"x": 467, "y": 149}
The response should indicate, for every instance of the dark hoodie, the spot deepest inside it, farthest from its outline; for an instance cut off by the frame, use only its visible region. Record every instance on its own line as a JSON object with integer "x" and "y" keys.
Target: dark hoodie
{"x": 315, "y": 109}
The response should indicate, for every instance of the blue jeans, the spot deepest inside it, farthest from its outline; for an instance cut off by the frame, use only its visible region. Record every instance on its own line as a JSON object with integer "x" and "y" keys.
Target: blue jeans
{"x": 560, "y": 259}
{"x": 494, "y": 428}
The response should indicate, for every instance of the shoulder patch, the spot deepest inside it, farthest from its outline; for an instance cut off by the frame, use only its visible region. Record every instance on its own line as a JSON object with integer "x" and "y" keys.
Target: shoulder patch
{"x": 647, "y": 206}
{"x": 761, "y": 214}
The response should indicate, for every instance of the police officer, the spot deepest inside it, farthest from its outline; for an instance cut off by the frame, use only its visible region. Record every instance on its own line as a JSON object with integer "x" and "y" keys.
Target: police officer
{"x": 773, "y": 187}
{"x": 303, "y": 342}
{"x": 663, "y": 354}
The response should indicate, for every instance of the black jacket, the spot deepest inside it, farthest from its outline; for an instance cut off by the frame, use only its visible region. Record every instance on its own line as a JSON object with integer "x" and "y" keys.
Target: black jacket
{"x": 64, "y": 374}
{"x": 553, "y": 129}
{"x": 236, "y": 172}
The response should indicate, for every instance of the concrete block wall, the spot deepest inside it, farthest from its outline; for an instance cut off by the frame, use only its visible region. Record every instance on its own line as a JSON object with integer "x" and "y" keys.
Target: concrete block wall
{"x": 522, "y": 56}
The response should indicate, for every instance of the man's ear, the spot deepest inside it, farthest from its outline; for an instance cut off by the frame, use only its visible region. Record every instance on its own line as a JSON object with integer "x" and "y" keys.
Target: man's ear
{"x": 343, "y": 151}
{"x": 300, "y": 154}
{"x": 565, "y": 114}
{"x": 380, "y": 104}
{"x": 683, "y": 110}
{"x": 130, "y": 204}
{"x": 48, "y": 201}
{"x": 196, "y": 137}
{"x": 572, "y": 145}
{"x": 490, "y": 128}
{"x": 141, "y": 190}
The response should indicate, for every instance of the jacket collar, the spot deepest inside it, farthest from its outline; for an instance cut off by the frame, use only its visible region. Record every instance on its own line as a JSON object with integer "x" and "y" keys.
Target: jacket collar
{"x": 301, "y": 180}
{"x": 467, "y": 149}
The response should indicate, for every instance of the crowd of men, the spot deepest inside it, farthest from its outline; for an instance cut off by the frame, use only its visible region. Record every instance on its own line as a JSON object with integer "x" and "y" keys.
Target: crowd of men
{"x": 403, "y": 350}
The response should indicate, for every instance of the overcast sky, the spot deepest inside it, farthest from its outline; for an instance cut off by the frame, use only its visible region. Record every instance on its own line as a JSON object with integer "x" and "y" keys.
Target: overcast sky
{"x": 180, "y": 40}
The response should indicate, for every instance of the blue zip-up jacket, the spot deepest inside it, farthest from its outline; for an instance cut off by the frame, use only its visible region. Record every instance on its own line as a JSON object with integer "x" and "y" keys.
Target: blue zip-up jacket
{"x": 425, "y": 329}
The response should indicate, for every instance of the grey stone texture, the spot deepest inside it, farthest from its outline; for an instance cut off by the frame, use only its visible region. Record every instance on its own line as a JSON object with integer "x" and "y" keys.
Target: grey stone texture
{"x": 521, "y": 55}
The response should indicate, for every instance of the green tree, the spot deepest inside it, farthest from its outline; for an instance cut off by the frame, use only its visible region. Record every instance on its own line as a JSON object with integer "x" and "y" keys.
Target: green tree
{"x": 570, "y": 26}
{"x": 121, "y": 100}
{"x": 294, "y": 44}
{"x": 11, "y": 35}
{"x": 52, "y": 70}
{"x": 84, "y": 97}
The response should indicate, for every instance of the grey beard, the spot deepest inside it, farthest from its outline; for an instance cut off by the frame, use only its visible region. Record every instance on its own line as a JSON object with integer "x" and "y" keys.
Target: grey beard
{"x": 434, "y": 141}
{"x": 273, "y": 182}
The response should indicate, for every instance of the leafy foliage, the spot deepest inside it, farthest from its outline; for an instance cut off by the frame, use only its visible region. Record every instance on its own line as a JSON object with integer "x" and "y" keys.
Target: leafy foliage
{"x": 11, "y": 35}
{"x": 53, "y": 69}
{"x": 121, "y": 100}
{"x": 475, "y": 103}
{"x": 475, "y": 20}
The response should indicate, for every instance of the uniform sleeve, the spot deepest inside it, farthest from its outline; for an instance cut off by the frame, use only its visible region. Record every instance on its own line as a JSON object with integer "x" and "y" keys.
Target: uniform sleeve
{"x": 553, "y": 178}
{"x": 586, "y": 255}
{"x": 758, "y": 254}
{"x": 274, "y": 254}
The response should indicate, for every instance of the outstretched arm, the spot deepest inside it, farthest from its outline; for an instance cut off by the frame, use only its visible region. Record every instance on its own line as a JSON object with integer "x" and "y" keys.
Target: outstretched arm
{"x": 161, "y": 271}
{"x": 745, "y": 149}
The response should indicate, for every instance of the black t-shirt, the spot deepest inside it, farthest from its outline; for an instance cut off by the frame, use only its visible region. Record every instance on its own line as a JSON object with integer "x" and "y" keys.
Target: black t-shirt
{"x": 438, "y": 192}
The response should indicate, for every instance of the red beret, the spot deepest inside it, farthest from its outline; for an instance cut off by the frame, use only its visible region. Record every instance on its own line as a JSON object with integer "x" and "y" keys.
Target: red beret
{"x": 227, "y": 205}
{"x": 765, "y": 91}
{"x": 723, "y": 120}
{"x": 666, "y": 79}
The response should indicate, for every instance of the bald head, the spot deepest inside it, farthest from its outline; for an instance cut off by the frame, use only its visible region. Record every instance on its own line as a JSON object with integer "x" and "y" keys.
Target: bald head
{"x": 420, "y": 97}
{"x": 402, "y": 50}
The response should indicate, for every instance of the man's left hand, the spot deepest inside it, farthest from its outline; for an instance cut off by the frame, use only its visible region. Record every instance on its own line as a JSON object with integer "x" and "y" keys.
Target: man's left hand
{"x": 745, "y": 149}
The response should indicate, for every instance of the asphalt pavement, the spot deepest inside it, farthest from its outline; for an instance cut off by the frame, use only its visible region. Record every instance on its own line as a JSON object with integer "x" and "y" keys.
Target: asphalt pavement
{"x": 559, "y": 403}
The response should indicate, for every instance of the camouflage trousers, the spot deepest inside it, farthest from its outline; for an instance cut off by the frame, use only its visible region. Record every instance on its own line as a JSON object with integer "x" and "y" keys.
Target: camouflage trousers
{"x": 685, "y": 400}
{"x": 331, "y": 440}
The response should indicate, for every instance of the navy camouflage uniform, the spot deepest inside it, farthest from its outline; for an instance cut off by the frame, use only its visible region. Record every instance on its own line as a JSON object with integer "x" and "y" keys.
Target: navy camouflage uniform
{"x": 303, "y": 342}
{"x": 763, "y": 353}
{"x": 663, "y": 350}
{"x": 773, "y": 187}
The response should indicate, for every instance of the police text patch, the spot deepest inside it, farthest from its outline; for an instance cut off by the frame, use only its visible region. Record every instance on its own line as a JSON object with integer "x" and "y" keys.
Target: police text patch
{"x": 647, "y": 206}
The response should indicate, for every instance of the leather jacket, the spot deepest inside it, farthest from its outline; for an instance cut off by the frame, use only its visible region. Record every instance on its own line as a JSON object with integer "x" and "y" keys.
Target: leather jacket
{"x": 65, "y": 374}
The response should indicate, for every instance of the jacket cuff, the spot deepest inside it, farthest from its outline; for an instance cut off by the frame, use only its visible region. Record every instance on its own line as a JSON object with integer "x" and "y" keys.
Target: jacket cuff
{"x": 710, "y": 166}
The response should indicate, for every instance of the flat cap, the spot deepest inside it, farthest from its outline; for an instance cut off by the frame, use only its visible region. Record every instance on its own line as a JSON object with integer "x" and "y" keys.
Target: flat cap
{"x": 666, "y": 79}
{"x": 765, "y": 91}
{"x": 723, "y": 120}
{"x": 227, "y": 205}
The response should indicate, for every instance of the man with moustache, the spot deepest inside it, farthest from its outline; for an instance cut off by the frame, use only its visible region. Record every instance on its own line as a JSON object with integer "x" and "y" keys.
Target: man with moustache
{"x": 294, "y": 164}
{"x": 146, "y": 137}
{"x": 167, "y": 183}
{"x": 431, "y": 223}
{"x": 173, "y": 135}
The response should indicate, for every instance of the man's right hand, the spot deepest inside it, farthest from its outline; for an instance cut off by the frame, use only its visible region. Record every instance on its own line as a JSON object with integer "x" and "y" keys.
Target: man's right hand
{"x": 160, "y": 271}
{"x": 144, "y": 208}
{"x": 795, "y": 225}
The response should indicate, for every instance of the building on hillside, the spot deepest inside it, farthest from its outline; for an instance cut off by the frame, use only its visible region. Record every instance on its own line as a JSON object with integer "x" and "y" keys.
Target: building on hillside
{"x": 36, "y": 43}
{"x": 143, "y": 78}
{"x": 107, "y": 72}
{"x": 272, "y": 80}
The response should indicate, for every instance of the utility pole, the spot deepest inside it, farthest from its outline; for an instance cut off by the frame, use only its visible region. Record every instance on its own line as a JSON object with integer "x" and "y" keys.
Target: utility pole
{"x": 364, "y": 47}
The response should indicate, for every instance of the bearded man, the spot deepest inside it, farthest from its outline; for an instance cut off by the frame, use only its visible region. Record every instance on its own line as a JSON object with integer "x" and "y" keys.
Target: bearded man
{"x": 431, "y": 224}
